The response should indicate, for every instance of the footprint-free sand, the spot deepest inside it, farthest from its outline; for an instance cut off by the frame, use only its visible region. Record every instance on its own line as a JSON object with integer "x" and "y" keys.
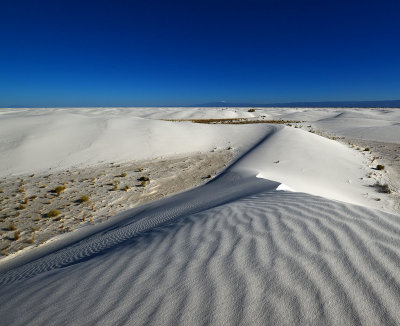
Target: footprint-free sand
{"x": 293, "y": 231}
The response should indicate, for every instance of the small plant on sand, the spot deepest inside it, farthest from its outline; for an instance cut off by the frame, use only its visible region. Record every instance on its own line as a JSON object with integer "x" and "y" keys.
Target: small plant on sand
{"x": 143, "y": 183}
{"x": 144, "y": 179}
{"x": 383, "y": 188}
{"x": 59, "y": 189}
{"x": 84, "y": 199}
{"x": 123, "y": 174}
{"x": 11, "y": 227}
{"x": 21, "y": 206}
{"x": 16, "y": 235}
{"x": 139, "y": 169}
{"x": 126, "y": 188}
{"x": 380, "y": 167}
{"x": 366, "y": 149}
{"x": 53, "y": 213}
{"x": 26, "y": 200}
{"x": 21, "y": 190}
{"x": 251, "y": 110}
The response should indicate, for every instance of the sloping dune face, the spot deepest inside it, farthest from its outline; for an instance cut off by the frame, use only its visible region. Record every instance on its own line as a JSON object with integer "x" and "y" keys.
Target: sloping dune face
{"x": 250, "y": 255}
{"x": 242, "y": 249}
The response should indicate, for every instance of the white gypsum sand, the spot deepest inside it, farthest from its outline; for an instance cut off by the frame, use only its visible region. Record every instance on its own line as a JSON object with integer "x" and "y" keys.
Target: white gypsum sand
{"x": 289, "y": 234}
{"x": 32, "y": 210}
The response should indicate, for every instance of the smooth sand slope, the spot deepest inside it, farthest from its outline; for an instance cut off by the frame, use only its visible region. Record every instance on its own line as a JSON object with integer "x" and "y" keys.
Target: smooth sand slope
{"x": 239, "y": 250}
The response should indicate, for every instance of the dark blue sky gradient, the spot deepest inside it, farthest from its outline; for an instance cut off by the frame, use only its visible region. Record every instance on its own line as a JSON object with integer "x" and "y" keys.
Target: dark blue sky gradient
{"x": 133, "y": 53}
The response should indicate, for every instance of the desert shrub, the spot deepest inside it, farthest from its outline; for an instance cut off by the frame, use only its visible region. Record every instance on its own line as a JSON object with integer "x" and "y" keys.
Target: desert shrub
{"x": 26, "y": 200}
{"x": 383, "y": 188}
{"x": 251, "y": 110}
{"x": 84, "y": 199}
{"x": 21, "y": 190}
{"x": 144, "y": 179}
{"x": 21, "y": 206}
{"x": 380, "y": 167}
{"x": 53, "y": 213}
{"x": 143, "y": 183}
{"x": 16, "y": 235}
{"x": 123, "y": 174}
{"x": 367, "y": 149}
{"x": 11, "y": 227}
{"x": 59, "y": 189}
{"x": 140, "y": 169}
{"x": 126, "y": 188}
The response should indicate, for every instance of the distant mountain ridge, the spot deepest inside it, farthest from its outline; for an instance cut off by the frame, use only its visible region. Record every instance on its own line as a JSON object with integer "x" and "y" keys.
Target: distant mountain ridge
{"x": 328, "y": 104}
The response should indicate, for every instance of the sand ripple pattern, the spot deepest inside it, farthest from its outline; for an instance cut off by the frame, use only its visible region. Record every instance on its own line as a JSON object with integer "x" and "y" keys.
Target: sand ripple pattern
{"x": 262, "y": 258}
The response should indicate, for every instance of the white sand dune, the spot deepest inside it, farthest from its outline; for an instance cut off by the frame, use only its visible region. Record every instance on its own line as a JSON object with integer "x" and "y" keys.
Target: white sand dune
{"x": 235, "y": 251}
{"x": 41, "y": 139}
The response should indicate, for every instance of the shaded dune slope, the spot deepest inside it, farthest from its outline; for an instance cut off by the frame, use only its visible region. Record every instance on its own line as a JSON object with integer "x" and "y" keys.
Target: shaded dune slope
{"x": 270, "y": 257}
{"x": 232, "y": 252}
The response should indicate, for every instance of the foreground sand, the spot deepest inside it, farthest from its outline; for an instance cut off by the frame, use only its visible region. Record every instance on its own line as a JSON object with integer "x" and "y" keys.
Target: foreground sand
{"x": 235, "y": 251}
{"x": 28, "y": 200}
{"x": 294, "y": 232}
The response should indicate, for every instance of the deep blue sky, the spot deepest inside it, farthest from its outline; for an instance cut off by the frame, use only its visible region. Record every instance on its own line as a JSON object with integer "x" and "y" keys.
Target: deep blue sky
{"x": 132, "y": 53}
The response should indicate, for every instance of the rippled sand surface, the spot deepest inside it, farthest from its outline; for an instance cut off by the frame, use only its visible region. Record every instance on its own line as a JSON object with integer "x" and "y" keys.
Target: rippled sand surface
{"x": 253, "y": 255}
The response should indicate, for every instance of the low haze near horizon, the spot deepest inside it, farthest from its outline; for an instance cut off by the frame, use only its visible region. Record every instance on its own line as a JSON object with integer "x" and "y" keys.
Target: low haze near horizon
{"x": 156, "y": 53}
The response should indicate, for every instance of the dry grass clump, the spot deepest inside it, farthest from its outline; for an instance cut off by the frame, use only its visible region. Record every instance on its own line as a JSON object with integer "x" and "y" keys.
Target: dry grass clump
{"x": 59, "y": 189}
{"x": 383, "y": 188}
{"x": 84, "y": 199}
{"x": 16, "y": 235}
{"x": 53, "y": 213}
